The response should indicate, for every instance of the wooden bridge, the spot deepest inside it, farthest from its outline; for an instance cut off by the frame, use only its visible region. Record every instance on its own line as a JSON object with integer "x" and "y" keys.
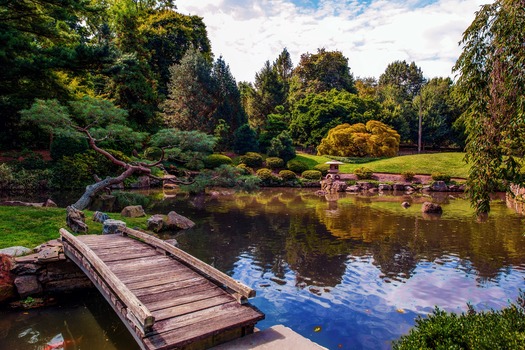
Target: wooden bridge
{"x": 167, "y": 298}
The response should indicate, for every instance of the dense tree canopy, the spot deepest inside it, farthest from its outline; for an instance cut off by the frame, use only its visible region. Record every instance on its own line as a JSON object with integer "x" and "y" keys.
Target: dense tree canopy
{"x": 317, "y": 113}
{"x": 491, "y": 83}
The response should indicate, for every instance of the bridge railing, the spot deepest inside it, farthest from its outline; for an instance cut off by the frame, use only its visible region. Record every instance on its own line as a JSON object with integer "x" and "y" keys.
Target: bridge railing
{"x": 105, "y": 280}
{"x": 240, "y": 291}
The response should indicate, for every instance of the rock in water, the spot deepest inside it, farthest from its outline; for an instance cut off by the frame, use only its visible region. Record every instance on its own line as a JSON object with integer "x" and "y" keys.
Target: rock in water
{"x": 156, "y": 223}
{"x": 178, "y": 221}
{"x": 431, "y": 208}
{"x": 76, "y": 220}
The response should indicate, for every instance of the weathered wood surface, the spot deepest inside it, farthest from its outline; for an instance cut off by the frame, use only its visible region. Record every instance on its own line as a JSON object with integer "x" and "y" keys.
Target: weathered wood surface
{"x": 192, "y": 306}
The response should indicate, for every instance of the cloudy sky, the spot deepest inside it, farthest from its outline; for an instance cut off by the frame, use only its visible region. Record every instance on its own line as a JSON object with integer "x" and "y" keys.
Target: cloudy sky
{"x": 370, "y": 33}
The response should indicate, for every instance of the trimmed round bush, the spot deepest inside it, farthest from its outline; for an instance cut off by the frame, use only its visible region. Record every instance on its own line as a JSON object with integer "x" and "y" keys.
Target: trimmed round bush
{"x": 363, "y": 173}
{"x": 408, "y": 175}
{"x": 264, "y": 174}
{"x": 216, "y": 160}
{"x": 274, "y": 162}
{"x": 437, "y": 176}
{"x": 296, "y": 166}
{"x": 287, "y": 175}
{"x": 323, "y": 168}
{"x": 312, "y": 174}
{"x": 246, "y": 170}
{"x": 252, "y": 159}
{"x": 152, "y": 153}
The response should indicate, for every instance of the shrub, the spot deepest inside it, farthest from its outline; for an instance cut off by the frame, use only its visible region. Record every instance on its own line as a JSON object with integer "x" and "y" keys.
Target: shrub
{"x": 323, "y": 168}
{"x": 67, "y": 146}
{"x": 408, "y": 175}
{"x": 264, "y": 174}
{"x": 287, "y": 175}
{"x": 312, "y": 174}
{"x": 274, "y": 162}
{"x": 245, "y": 140}
{"x": 153, "y": 153}
{"x": 297, "y": 166}
{"x": 6, "y": 176}
{"x": 246, "y": 170}
{"x": 437, "y": 176}
{"x": 215, "y": 160}
{"x": 252, "y": 159}
{"x": 504, "y": 329}
{"x": 363, "y": 173}
{"x": 124, "y": 199}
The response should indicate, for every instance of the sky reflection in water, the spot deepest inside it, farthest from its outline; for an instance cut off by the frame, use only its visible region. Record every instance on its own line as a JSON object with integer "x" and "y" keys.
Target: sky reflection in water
{"x": 354, "y": 273}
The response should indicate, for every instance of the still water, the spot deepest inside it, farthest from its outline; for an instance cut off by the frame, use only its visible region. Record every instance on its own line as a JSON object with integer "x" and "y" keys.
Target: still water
{"x": 348, "y": 272}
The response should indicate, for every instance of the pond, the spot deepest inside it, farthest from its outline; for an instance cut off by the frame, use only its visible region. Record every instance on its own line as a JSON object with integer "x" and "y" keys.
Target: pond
{"x": 349, "y": 271}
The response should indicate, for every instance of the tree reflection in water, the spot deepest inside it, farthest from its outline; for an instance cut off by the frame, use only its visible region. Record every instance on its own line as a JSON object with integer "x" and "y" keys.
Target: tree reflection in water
{"x": 363, "y": 264}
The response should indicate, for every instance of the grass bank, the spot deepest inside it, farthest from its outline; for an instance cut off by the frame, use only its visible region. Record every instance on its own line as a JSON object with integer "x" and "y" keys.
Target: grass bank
{"x": 29, "y": 226}
{"x": 449, "y": 163}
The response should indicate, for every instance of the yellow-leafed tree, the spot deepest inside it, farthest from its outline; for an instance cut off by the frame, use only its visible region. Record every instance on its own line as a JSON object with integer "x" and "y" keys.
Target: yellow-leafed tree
{"x": 374, "y": 139}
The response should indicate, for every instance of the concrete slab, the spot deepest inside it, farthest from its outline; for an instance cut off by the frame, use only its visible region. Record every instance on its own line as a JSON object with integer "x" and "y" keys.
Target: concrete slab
{"x": 276, "y": 337}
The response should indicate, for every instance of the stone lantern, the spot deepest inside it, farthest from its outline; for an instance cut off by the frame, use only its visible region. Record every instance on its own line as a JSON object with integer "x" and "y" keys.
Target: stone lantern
{"x": 333, "y": 172}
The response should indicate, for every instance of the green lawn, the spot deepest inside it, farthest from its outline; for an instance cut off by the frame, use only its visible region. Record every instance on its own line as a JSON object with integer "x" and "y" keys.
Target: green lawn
{"x": 29, "y": 226}
{"x": 450, "y": 163}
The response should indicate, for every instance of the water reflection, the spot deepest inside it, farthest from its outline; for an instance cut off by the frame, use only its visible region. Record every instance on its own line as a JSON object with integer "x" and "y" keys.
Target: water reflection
{"x": 354, "y": 271}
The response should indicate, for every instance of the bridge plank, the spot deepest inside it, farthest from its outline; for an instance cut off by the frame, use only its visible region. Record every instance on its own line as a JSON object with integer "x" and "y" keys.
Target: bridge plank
{"x": 191, "y": 307}
{"x": 169, "y": 286}
{"x": 200, "y": 328}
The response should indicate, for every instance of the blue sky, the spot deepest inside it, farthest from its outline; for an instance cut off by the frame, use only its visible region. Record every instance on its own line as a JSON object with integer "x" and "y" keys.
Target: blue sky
{"x": 370, "y": 33}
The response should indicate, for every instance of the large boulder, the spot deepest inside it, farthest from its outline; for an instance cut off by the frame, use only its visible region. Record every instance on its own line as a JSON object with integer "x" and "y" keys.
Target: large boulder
{"x": 431, "y": 208}
{"x": 156, "y": 223}
{"x": 133, "y": 211}
{"x": 177, "y": 221}
{"x": 111, "y": 226}
{"x": 172, "y": 221}
{"x": 99, "y": 216}
{"x": 28, "y": 285}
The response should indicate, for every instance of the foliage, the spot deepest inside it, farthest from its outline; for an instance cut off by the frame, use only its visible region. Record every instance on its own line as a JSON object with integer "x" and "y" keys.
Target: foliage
{"x": 315, "y": 114}
{"x": 223, "y": 176}
{"x": 245, "y": 170}
{"x": 252, "y": 159}
{"x": 153, "y": 153}
{"x": 282, "y": 146}
{"x": 501, "y": 329}
{"x": 66, "y": 145}
{"x": 408, "y": 175}
{"x": 491, "y": 83}
{"x": 407, "y": 78}
{"x": 6, "y": 176}
{"x": 374, "y": 139}
{"x": 363, "y": 173}
{"x": 297, "y": 166}
{"x": 439, "y": 111}
{"x": 21, "y": 179}
{"x": 216, "y": 160}
{"x": 323, "y": 168}
{"x": 188, "y": 148}
{"x": 287, "y": 175}
{"x": 274, "y": 162}
{"x": 438, "y": 176}
{"x": 312, "y": 174}
{"x": 267, "y": 177}
{"x": 264, "y": 174}
{"x": 245, "y": 140}
{"x": 322, "y": 71}
{"x": 124, "y": 199}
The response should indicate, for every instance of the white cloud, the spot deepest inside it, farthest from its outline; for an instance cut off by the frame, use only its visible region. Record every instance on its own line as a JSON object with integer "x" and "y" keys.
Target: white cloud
{"x": 371, "y": 34}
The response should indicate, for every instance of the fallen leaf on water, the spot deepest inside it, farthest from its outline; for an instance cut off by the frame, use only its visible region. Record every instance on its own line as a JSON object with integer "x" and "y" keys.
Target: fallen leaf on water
{"x": 401, "y": 311}
{"x": 317, "y": 329}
